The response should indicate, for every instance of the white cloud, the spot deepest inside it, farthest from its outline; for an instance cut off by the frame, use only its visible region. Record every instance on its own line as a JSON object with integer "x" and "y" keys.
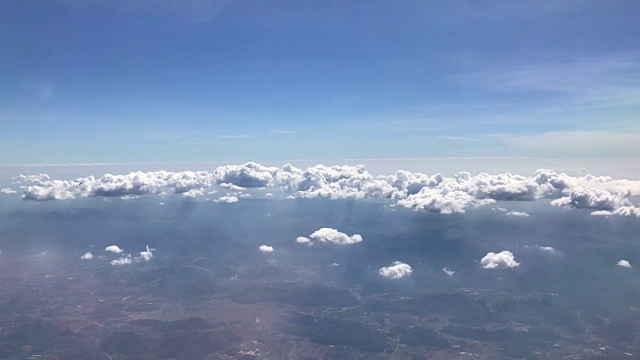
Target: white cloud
{"x": 547, "y": 249}
{"x": 624, "y": 263}
{"x": 265, "y": 248}
{"x": 585, "y": 198}
{"x": 630, "y": 210}
{"x": 193, "y": 193}
{"x": 113, "y": 248}
{"x": 8, "y": 191}
{"x": 334, "y": 236}
{"x": 125, "y": 260}
{"x": 227, "y": 199}
{"x": 147, "y": 254}
{"x": 503, "y": 259}
{"x": 517, "y": 213}
{"x": 249, "y": 175}
{"x": 448, "y": 271}
{"x": 87, "y": 256}
{"x": 231, "y": 186}
{"x": 302, "y": 240}
{"x": 397, "y": 270}
{"x": 435, "y": 193}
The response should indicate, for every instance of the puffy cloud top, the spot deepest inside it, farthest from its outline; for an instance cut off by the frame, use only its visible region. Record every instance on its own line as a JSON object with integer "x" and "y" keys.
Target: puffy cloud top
{"x": 87, "y": 256}
{"x": 113, "y": 248}
{"x": 147, "y": 254}
{"x": 265, "y": 248}
{"x": 503, "y": 259}
{"x": 302, "y": 240}
{"x": 624, "y": 263}
{"x": 397, "y": 270}
{"x": 334, "y": 236}
{"x": 434, "y": 193}
{"x": 125, "y": 260}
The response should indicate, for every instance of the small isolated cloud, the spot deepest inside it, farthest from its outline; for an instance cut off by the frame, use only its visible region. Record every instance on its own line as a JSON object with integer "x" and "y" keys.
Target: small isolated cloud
{"x": 397, "y": 270}
{"x": 517, "y": 213}
{"x": 125, "y": 260}
{"x": 265, "y": 248}
{"x": 268, "y": 194}
{"x": 146, "y": 255}
{"x": 114, "y": 249}
{"x": 503, "y": 259}
{"x": 624, "y": 263}
{"x": 302, "y": 240}
{"x": 448, "y": 271}
{"x": 130, "y": 197}
{"x": 227, "y": 199}
{"x": 335, "y": 236}
{"x": 8, "y": 191}
{"x": 87, "y": 256}
{"x": 547, "y": 249}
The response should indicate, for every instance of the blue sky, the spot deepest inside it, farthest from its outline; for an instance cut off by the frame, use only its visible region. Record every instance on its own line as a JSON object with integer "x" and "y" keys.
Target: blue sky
{"x": 166, "y": 80}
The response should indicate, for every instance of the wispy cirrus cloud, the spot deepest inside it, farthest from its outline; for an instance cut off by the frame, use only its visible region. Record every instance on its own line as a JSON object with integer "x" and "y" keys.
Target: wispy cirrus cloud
{"x": 288, "y": 131}
{"x": 240, "y": 136}
{"x": 607, "y": 81}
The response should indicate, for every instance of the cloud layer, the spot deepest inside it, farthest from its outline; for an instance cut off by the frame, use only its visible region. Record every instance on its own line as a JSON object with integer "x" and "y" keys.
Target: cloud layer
{"x": 434, "y": 193}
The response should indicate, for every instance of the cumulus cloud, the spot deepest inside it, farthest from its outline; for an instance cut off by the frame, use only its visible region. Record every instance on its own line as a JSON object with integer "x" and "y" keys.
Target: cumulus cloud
{"x": 87, "y": 256}
{"x": 585, "y": 198}
{"x": 114, "y": 249}
{"x": 517, "y": 213}
{"x": 624, "y": 263}
{"x": 265, "y": 248}
{"x": 302, "y": 240}
{"x": 397, "y": 270}
{"x": 227, "y": 199}
{"x": 147, "y": 254}
{"x": 125, "y": 260}
{"x": 8, "y": 191}
{"x": 503, "y": 259}
{"x": 630, "y": 210}
{"x": 448, "y": 271}
{"x": 435, "y": 193}
{"x": 193, "y": 193}
{"x": 334, "y": 236}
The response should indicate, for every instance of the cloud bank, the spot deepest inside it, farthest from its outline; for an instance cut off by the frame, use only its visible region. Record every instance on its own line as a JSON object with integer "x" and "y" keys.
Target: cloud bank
{"x": 395, "y": 271}
{"x": 434, "y": 193}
